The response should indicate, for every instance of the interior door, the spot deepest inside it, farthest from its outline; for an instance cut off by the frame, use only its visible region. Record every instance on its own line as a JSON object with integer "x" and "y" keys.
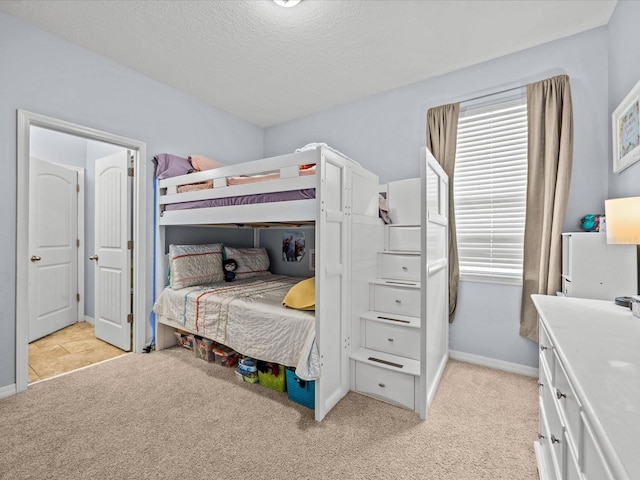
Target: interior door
{"x": 53, "y": 245}
{"x": 113, "y": 252}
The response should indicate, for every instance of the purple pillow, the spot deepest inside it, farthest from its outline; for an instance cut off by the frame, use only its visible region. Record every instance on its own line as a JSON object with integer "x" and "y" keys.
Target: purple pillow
{"x": 168, "y": 165}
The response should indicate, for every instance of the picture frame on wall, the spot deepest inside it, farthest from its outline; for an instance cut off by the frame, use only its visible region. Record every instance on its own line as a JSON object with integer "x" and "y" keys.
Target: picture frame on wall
{"x": 625, "y": 127}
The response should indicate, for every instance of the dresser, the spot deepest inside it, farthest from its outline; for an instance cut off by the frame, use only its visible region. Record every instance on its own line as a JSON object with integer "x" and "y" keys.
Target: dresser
{"x": 589, "y": 390}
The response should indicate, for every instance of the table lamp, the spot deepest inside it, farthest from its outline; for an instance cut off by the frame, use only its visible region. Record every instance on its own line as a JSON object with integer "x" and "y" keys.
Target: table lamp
{"x": 622, "y": 217}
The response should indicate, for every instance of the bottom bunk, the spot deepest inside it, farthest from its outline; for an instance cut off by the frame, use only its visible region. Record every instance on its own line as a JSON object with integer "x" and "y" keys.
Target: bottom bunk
{"x": 248, "y": 316}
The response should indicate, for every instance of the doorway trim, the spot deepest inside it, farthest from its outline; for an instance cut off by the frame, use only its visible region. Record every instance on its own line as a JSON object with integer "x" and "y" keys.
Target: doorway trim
{"x": 25, "y": 121}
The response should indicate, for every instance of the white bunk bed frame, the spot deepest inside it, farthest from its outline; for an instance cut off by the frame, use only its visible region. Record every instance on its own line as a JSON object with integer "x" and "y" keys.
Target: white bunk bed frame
{"x": 344, "y": 192}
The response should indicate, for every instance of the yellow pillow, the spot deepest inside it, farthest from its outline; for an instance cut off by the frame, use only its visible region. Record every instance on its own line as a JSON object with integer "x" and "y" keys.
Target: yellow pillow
{"x": 302, "y": 296}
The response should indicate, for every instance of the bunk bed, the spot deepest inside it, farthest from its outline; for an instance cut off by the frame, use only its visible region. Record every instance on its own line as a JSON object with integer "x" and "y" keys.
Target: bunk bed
{"x": 318, "y": 187}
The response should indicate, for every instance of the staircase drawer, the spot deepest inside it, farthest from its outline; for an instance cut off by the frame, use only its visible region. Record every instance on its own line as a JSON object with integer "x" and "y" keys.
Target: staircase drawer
{"x": 393, "y": 339}
{"x": 400, "y": 266}
{"x": 395, "y": 387}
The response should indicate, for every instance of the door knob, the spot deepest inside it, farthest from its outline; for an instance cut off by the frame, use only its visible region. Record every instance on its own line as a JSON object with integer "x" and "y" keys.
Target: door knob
{"x": 93, "y": 257}
{"x": 35, "y": 258}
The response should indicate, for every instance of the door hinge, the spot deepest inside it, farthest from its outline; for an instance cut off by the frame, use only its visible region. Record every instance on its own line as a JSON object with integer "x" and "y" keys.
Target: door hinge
{"x": 130, "y": 318}
{"x": 130, "y": 245}
{"x": 130, "y": 172}
{"x": 77, "y": 297}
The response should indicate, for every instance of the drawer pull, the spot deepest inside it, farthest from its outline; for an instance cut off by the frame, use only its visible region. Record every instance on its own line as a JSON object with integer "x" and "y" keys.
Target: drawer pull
{"x": 390, "y": 339}
{"x": 404, "y": 269}
{"x": 559, "y": 394}
{"x": 393, "y": 319}
{"x": 398, "y": 301}
{"x": 381, "y": 385}
{"x": 386, "y": 362}
{"x": 554, "y": 439}
{"x": 540, "y": 436}
{"x": 542, "y": 348}
{"x": 540, "y": 384}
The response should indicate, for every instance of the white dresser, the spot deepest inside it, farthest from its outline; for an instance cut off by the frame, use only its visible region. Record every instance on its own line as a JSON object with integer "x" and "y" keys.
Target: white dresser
{"x": 589, "y": 390}
{"x": 388, "y": 360}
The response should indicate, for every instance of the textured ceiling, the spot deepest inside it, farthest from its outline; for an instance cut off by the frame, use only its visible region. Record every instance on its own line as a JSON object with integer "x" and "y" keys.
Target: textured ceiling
{"x": 268, "y": 64}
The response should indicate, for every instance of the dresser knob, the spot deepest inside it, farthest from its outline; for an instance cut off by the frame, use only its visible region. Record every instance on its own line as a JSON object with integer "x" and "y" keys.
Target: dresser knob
{"x": 540, "y": 384}
{"x": 398, "y": 301}
{"x": 381, "y": 385}
{"x": 542, "y": 348}
{"x": 404, "y": 269}
{"x": 554, "y": 439}
{"x": 390, "y": 339}
{"x": 559, "y": 394}
{"x": 540, "y": 436}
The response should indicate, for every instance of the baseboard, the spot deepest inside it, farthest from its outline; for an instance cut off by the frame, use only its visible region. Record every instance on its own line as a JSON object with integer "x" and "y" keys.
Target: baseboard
{"x": 8, "y": 391}
{"x": 494, "y": 363}
{"x": 89, "y": 320}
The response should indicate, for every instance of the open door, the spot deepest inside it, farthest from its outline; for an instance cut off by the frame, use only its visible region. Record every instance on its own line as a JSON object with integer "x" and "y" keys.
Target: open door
{"x": 53, "y": 248}
{"x": 113, "y": 250}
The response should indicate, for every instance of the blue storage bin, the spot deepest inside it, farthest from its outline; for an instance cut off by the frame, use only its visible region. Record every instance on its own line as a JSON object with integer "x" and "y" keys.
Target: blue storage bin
{"x": 299, "y": 390}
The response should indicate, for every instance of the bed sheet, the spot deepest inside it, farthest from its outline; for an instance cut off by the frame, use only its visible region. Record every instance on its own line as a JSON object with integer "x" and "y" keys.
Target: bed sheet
{"x": 247, "y": 315}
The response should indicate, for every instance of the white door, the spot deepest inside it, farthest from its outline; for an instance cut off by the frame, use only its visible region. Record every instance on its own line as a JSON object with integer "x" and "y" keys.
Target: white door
{"x": 112, "y": 255}
{"x": 53, "y": 237}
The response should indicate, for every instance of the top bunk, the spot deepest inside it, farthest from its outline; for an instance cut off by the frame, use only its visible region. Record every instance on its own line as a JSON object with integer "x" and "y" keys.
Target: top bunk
{"x": 282, "y": 189}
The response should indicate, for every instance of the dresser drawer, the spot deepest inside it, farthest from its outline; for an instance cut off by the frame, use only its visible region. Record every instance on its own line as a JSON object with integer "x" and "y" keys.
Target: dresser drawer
{"x": 400, "y": 266}
{"x": 546, "y": 349}
{"x": 386, "y": 384}
{"x": 556, "y": 435}
{"x": 393, "y": 339}
{"x": 404, "y": 238}
{"x": 404, "y": 301}
{"x": 594, "y": 466}
{"x": 568, "y": 403}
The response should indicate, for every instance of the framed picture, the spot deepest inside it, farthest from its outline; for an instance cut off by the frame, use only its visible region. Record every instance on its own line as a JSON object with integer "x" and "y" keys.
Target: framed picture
{"x": 625, "y": 125}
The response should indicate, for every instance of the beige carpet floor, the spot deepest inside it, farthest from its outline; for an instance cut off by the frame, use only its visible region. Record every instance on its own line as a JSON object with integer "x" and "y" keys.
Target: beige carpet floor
{"x": 168, "y": 415}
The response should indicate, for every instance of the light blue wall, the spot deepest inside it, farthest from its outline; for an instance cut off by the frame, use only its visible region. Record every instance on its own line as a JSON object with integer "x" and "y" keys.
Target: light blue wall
{"x": 43, "y": 74}
{"x": 385, "y": 132}
{"x": 624, "y": 73}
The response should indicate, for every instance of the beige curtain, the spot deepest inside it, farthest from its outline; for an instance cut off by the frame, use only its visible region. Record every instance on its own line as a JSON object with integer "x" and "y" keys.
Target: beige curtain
{"x": 550, "y": 151}
{"x": 442, "y": 133}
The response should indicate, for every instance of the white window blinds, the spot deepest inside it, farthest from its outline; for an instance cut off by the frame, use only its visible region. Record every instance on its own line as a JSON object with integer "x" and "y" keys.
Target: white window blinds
{"x": 490, "y": 189}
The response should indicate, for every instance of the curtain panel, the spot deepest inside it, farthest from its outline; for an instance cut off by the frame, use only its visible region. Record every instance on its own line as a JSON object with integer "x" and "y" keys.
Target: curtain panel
{"x": 442, "y": 133}
{"x": 550, "y": 152}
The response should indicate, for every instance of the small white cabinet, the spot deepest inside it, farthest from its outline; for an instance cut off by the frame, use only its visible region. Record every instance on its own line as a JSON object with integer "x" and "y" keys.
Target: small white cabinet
{"x": 589, "y": 388}
{"x": 592, "y": 268}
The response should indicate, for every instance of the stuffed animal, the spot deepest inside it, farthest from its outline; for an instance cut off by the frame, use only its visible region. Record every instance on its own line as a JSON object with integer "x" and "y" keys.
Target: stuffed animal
{"x": 591, "y": 223}
{"x": 229, "y": 266}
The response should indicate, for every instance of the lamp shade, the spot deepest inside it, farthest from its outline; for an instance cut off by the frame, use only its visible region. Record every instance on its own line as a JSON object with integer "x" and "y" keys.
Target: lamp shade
{"x": 623, "y": 220}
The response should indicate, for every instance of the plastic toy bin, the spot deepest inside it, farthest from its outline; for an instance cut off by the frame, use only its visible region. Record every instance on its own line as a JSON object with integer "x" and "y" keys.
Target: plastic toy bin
{"x": 299, "y": 390}
{"x": 267, "y": 378}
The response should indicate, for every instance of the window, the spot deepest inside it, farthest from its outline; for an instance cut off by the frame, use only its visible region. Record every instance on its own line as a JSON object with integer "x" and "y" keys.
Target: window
{"x": 490, "y": 190}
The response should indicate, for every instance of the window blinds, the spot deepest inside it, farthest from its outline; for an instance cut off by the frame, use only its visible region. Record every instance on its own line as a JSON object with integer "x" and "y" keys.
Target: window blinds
{"x": 490, "y": 187}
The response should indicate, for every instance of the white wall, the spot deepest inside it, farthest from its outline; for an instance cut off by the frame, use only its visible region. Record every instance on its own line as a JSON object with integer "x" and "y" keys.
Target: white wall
{"x": 624, "y": 73}
{"x": 43, "y": 74}
{"x": 385, "y": 132}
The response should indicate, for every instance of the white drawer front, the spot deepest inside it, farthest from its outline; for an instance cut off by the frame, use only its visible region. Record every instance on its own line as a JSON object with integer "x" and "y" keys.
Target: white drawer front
{"x": 594, "y": 466}
{"x": 396, "y": 387}
{"x": 546, "y": 349}
{"x": 404, "y": 238}
{"x": 555, "y": 429}
{"x": 393, "y": 339}
{"x": 568, "y": 402}
{"x": 404, "y": 301}
{"x": 402, "y": 267}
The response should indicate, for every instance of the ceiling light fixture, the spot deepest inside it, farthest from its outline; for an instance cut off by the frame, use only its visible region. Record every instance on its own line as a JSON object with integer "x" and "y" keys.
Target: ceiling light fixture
{"x": 287, "y": 3}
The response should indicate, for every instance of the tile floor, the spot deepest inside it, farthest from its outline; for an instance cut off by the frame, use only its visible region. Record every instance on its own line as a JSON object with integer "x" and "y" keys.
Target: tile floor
{"x": 68, "y": 349}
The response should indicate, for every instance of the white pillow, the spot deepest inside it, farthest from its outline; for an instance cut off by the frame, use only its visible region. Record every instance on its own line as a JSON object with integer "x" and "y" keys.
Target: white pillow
{"x": 195, "y": 264}
{"x": 252, "y": 262}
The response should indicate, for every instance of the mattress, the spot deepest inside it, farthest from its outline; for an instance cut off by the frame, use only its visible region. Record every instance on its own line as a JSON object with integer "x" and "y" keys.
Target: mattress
{"x": 303, "y": 194}
{"x": 247, "y": 315}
